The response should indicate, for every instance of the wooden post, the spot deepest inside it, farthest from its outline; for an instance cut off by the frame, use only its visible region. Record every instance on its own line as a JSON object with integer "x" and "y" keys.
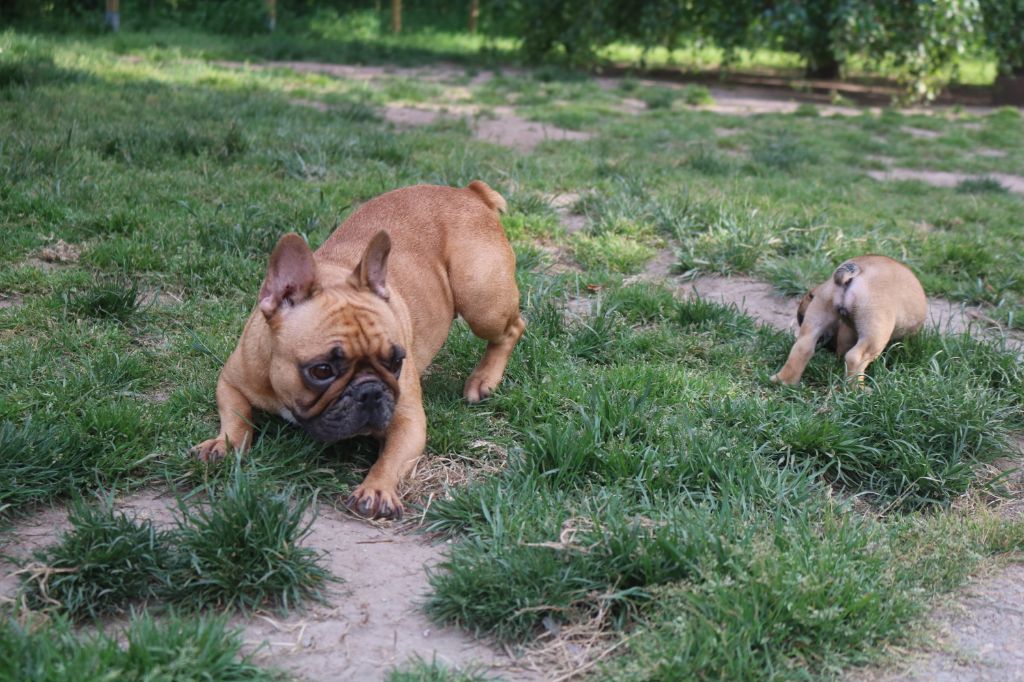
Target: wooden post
{"x": 474, "y": 15}
{"x": 271, "y": 14}
{"x": 113, "y": 16}
{"x": 396, "y": 16}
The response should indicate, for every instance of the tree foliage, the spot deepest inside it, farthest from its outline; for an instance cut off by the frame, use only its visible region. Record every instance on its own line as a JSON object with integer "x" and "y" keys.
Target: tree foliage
{"x": 922, "y": 40}
{"x": 1004, "y": 33}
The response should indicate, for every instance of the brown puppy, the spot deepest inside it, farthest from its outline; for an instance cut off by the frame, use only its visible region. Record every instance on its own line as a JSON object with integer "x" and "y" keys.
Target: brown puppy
{"x": 868, "y": 301}
{"x": 340, "y": 337}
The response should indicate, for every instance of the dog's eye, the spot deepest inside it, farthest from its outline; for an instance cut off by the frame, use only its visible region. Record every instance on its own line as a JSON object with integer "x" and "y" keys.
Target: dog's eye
{"x": 395, "y": 363}
{"x": 321, "y": 372}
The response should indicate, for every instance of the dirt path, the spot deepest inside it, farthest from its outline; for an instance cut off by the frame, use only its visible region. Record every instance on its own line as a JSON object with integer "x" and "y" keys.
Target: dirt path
{"x": 978, "y": 636}
{"x": 370, "y": 623}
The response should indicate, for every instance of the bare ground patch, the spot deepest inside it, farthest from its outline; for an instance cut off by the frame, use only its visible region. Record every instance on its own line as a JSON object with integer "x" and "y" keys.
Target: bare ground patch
{"x": 373, "y": 621}
{"x": 1014, "y": 183}
{"x": 61, "y": 252}
{"x": 369, "y": 623}
{"x": 10, "y": 300}
{"x": 921, "y": 133}
{"x": 509, "y": 130}
{"x": 563, "y": 205}
{"x": 978, "y": 636}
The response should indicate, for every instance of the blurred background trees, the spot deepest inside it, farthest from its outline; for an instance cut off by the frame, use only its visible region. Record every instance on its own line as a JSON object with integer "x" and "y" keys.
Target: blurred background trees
{"x": 919, "y": 41}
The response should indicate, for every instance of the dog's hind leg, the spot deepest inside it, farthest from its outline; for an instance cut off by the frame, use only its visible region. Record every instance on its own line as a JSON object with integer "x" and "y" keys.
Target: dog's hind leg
{"x": 487, "y": 298}
{"x": 871, "y": 342}
{"x": 846, "y": 337}
{"x": 501, "y": 330}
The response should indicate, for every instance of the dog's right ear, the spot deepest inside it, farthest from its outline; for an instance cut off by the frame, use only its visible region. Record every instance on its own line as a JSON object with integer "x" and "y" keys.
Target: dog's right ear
{"x": 290, "y": 275}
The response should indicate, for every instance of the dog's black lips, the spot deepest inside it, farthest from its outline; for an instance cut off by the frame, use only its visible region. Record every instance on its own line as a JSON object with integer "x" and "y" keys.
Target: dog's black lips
{"x": 364, "y": 407}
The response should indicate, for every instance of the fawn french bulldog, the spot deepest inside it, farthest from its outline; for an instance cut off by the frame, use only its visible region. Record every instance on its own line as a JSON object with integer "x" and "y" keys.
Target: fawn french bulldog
{"x": 868, "y": 301}
{"x": 340, "y": 337}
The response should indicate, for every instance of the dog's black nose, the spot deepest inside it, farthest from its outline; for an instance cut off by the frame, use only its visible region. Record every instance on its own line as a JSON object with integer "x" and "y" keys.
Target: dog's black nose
{"x": 370, "y": 395}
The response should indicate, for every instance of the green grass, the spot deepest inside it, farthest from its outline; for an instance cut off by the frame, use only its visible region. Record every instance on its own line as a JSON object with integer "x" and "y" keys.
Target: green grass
{"x": 236, "y": 546}
{"x": 656, "y": 482}
{"x": 421, "y": 671}
{"x": 174, "y": 648}
{"x": 104, "y": 564}
{"x": 241, "y": 548}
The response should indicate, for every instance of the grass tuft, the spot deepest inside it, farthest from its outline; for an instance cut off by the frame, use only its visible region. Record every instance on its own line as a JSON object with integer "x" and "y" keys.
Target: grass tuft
{"x": 105, "y": 562}
{"x": 37, "y": 464}
{"x": 172, "y": 648}
{"x": 981, "y": 186}
{"x": 241, "y": 548}
{"x": 117, "y": 300}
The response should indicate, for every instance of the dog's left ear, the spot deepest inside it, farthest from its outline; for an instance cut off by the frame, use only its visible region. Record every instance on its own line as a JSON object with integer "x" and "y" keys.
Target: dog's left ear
{"x": 372, "y": 271}
{"x": 291, "y": 275}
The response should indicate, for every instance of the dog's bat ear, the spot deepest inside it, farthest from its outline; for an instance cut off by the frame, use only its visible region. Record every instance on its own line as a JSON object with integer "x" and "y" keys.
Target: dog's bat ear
{"x": 290, "y": 275}
{"x": 372, "y": 271}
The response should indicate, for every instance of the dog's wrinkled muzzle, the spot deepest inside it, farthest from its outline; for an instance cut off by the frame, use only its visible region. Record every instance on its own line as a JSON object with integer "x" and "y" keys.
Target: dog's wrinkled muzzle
{"x": 366, "y": 405}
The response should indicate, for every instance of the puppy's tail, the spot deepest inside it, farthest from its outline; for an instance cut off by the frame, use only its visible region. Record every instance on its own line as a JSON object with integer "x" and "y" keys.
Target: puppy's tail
{"x": 493, "y": 200}
{"x": 845, "y": 273}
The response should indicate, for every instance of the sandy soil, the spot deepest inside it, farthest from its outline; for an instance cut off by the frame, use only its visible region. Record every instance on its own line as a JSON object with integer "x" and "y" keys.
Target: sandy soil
{"x": 563, "y": 203}
{"x": 508, "y": 129}
{"x": 978, "y": 636}
{"x": 1014, "y": 183}
{"x": 370, "y": 623}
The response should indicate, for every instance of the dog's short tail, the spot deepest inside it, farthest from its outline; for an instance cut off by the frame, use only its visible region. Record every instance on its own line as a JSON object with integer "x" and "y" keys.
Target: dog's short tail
{"x": 844, "y": 273}
{"x": 493, "y": 200}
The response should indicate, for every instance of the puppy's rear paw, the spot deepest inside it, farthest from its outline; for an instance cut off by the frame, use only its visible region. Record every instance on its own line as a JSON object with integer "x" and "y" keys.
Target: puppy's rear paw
{"x": 478, "y": 388}
{"x": 375, "y": 503}
{"x": 211, "y": 450}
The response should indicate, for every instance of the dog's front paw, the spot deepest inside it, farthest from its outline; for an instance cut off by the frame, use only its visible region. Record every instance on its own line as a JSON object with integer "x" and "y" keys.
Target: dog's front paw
{"x": 211, "y": 450}
{"x": 375, "y": 503}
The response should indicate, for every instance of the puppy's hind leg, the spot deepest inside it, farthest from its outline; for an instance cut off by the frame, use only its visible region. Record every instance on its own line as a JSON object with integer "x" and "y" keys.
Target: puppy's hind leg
{"x": 846, "y": 337}
{"x": 871, "y": 342}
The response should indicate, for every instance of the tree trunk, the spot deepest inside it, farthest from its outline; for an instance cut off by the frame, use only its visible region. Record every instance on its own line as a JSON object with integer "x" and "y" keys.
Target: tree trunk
{"x": 474, "y": 15}
{"x": 1009, "y": 89}
{"x": 271, "y": 14}
{"x": 823, "y": 65}
{"x": 396, "y": 16}
{"x": 113, "y": 16}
